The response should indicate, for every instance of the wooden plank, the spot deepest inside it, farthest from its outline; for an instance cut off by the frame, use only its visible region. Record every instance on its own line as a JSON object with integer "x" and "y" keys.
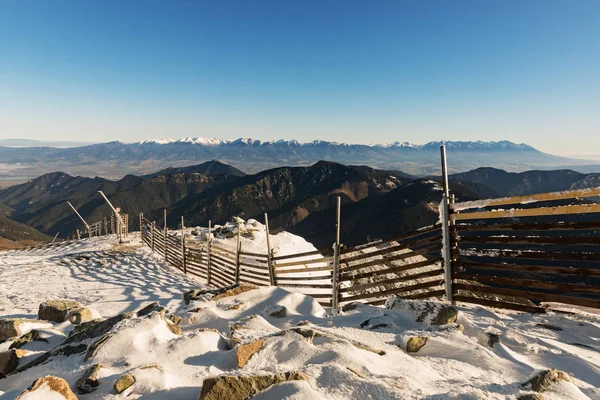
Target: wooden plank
{"x": 299, "y": 270}
{"x": 304, "y": 262}
{"x": 531, "y": 212}
{"x": 256, "y": 266}
{"x": 222, "y": 276}
{"x": 547, "y": 226}
{"x": 425, "y": 295}
{"x": 254, "y": 281}
{"x": 531, "y": 255}
{"x": 402, "y": 256}
{"x": 429, "y": 241}
{"x": 196, "y": 274}
{"x": 247, "y": 253}
{"x": 540, "y": 240}
{"x": 532, "y": 198}
{"x": 313, "y": 295}
{"x": 222, "y": 267}
{"x": 252, "y": 273}
{"x": 530, "y": 283}
{"x": 386, "y": 293}
{"x": 222, "y": 259}
{"x": 220, "y": 281}
{"x": 396, "y": 238}
{"x": 306, "y": 278}
{"x": 406, "y": 278}
{"x": 499, "y": 304}
{"x": 578, "y": 301}
{"x": 222, "y": 249}
{"x": 542, "y": 269}
{"x": 323, "y": 252}
{"x": 309, "y": 286}
{"x": 399, "y": 268}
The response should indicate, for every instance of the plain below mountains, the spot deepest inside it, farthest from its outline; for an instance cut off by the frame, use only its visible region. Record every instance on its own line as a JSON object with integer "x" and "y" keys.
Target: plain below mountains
{"x": 376, "y": 203}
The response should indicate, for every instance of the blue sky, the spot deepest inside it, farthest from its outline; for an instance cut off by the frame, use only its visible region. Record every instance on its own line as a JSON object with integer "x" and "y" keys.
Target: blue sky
{"x": 353, "y": 71}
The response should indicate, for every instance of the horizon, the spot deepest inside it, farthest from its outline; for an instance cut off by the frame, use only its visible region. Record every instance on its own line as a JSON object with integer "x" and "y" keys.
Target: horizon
{"x": 391, "y": 72}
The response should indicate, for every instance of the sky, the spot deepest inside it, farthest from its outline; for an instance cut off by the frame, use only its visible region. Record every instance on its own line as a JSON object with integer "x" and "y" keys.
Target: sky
{"x": 349, "y": 71}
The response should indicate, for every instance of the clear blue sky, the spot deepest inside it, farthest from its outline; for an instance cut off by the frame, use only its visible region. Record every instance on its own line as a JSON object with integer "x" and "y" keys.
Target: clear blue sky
{"x": 353, "y": 71}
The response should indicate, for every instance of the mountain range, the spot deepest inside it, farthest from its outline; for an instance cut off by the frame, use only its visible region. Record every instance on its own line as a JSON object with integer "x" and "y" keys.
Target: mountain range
{"x": 116, "y": 159}
{"x": 376, "y": 203}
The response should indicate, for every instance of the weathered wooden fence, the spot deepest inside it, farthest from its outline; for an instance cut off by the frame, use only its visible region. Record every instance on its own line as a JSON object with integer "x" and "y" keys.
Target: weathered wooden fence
{"x": 404, "y": 266}
{"x": 532, "y": 252}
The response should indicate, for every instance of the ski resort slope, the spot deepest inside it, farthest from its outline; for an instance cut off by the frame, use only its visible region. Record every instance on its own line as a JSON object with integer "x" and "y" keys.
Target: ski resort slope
{"x": 360, "y": 353}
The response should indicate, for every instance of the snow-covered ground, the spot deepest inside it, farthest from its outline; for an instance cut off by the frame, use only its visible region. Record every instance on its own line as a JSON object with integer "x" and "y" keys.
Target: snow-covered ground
{"x": 359, "y": 353}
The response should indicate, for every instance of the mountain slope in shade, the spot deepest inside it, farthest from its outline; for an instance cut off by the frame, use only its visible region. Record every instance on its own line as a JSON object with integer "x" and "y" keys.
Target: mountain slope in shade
{"x": 212, "y": 168}
{"x": 529, "y": 182}
{"x": 14, "y": 234}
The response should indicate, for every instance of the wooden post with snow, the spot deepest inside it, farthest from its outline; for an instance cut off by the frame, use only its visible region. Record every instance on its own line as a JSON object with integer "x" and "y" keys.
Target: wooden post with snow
{"x": 183, "y": 246}
{"x": 165, "y": 233}
{"x": 336, "y": 258}
{"x": 78, "y": 235}
{"x": 446, "y": 234}
{"x": 238, "y": 248}
{"x": 152, "y": 234}
{"x": 142, "y": 229}
{"x": 269, "y": 253}
{"x": 208, "y": 244}
{"x": 80, "y": 217}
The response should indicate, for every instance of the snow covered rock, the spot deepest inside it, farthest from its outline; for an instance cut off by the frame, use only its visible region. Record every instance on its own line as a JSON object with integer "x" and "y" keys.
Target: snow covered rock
{"x": 89, "y": 381}
{"x": 48, "y": 387}
{"x": 95, "y": 329}
{"x": 79, "y": 316}
{"x": 243, "y": 352}
{"x": 277, "y": 311}
{"x": 150, "y": 308}
{"x": 124, "y": 383}
{"x": 29, "y": 337}
{"x": 12, "y": 327}
{"x": 415, "y": 343}
{"x": 244, "y": 387}
{"x": 57, "y": 310}
{"x": 427, "y": 312}
{"x": 216, "y": 294}
{"x": 9, "y": 361}
{"x": 555, "y": 384}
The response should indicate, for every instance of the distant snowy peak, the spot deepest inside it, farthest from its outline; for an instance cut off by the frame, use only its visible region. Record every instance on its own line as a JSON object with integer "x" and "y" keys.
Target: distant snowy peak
{"x": 457, "y": 145}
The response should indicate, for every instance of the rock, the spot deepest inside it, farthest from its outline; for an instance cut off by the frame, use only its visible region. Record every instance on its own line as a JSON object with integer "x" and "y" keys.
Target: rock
{"x": 351, "y": 306}
{"x": 245, "y": 351}
{"x": 96, "y": 346}
{"x": 172, "y": 327}
{"x": 88, "y": 382}
{"x": 531, "y": 396}
{"x": 414, "y": 344}
{"x": 9, "y": 327}
{"x": 70, "y": 350}
{"x": 244, "y": 387}
{"x": 57, "y": 310}
{"x": 175, "y": 319}
{"x": 79, "y": 316}
{"x": 83, "y": 326}
{"x": 428, "y": 312}
{"x": 54, "y": 384}
{"x": 216, "y": 294}
{"x": 150, "y": 308}
{"x": 542, "y": 381}
{"x": 488, "y": 339}
{"x": 9, "y": 361}
{"x": 277, "y": 311}
{"x": 96, "y": 329}
{"x": 31, "y": 336}
{"x": 124, "y": 383}
{"x": 551, "y": 327}
{"x": 233, "y": 291}
{"x": 355, "y": 372}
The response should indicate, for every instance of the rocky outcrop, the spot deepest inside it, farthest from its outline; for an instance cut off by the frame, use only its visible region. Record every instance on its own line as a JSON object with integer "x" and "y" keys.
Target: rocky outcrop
{"x": 414, "y": 344}
{"x": 53, "y": 383}
{"x": 88, "y": 382}
{"x": 124, "y": 383}
{"x": 546, "y": 379}
{"x": 31, "y": 336}
{"x": 245, "y": 351}
{"x": 95, "y": 329}
{"x": 216, "y": 294}
{"x": 151, "y": 308}
{"x": 9, "y": 361}
{"x": 57, "y": 310}
{"x": 244, "y": 387}
{"x": 427, "y": 312}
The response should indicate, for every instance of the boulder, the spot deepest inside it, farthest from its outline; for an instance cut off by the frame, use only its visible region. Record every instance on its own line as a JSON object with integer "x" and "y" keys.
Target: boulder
{"x": 427, "y": 312}
{"x": 243, "y": 352}
{"x": 416, "y": 343}
{"x": 277, "y": 311}
{"x": 175, "y": 319}
{"x": 10, "y": 327}
{"x": 83, "y": 326}
{"x": 57, "y": 310}
{"x": 9, "y": 361}
{"x": 545, "y": 379}
{"x": 31, "y": 336}
{"x": 124, "y": 383}
{"x": 244, "y": 387}
{"x": 233, "y": 291}
{"x": 531, "y": 396}
{"x": 96, "y": 346}
{"x": 151, "y": 308}
{"x": 88, "y": 382}
{"x": 96, "y": 329}
{"x": 52, "y": 383}
{"x": 81, "y": 315}
{"x": 488, "y": 339}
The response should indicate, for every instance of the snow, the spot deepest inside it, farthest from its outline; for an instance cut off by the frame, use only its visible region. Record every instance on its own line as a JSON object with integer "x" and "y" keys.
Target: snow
{"x": 111, "y": 279}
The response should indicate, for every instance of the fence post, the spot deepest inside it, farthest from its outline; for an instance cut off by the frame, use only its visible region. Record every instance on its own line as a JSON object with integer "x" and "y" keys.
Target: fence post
{"x": 208, "y": 243}
{"x": 152, "y": 234}
{"x": 141, "y": 229}
{"x": 336, "y": 259}
{"x": 165, "y": 233}
{"x": 78, "y": 235}
{"x": 183, "y": 246}
{"x": 237, "y": 255}
{"x": 446, "y": 234}
{"x": 269, "y": 253}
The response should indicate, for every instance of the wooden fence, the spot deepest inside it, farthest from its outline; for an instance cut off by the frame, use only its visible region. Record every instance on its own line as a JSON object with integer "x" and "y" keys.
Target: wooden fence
{"x": 534, "y": 251}
{"x": 405, "y": 266}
